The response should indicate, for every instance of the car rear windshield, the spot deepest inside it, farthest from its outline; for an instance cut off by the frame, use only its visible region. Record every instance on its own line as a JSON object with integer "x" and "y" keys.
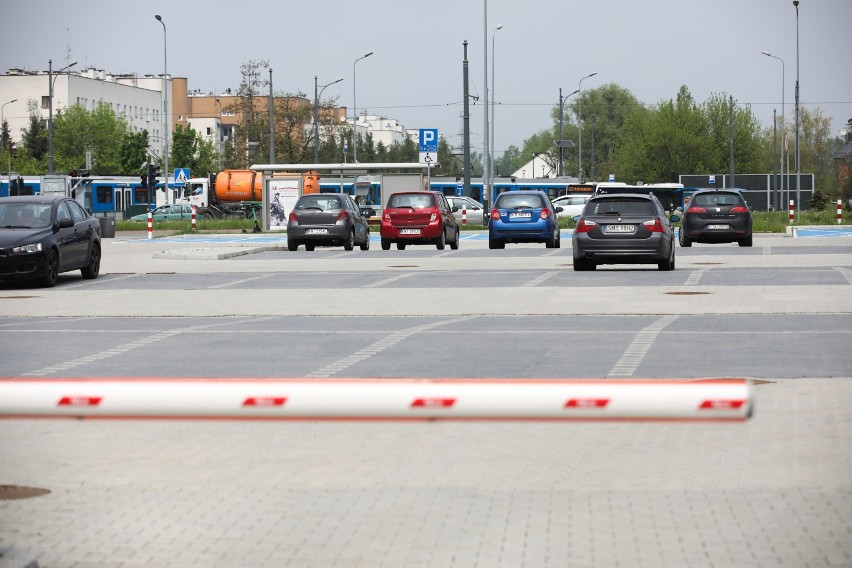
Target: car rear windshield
{"x": 318, "y": 202}
{"x": 620, "y": 206}
{"x": 716, "y": 199}
{"x": 509, "y": 201}
{"x": 412, "y": 200}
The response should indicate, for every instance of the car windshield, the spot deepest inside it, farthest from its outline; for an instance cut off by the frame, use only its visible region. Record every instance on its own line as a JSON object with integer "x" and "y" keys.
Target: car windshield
{"x": 717, "y": 199}
{"x": 318, "y": 202}
{"x": 25, "y": 215}
{"x": 620, "y": 207}
{"x": 411, "y": 200}
{"x": 519, "y": 202}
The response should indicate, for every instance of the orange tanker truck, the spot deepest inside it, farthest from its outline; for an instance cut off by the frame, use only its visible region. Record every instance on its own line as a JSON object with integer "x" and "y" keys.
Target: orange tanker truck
{"x": 235, "y": 193}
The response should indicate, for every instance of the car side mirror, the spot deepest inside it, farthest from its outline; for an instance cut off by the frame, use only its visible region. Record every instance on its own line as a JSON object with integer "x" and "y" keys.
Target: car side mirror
{"x": 575, "y": 218}
{"x": 674, "y": 218}
{"x": 559, "y": 209}
{"x": 66, "y": 223}
{"x": 455, "y": 209}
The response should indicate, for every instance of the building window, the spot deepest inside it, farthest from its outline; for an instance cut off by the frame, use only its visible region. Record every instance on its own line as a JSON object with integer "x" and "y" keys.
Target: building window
{"x": 209, "y": 131}
{"x": 45, "y": 102}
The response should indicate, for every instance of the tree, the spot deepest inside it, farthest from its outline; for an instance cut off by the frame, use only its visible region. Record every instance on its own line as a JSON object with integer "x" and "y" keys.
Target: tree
{"x": 99, "y": 131}
{"x": 134, "y": 152}
{"x": 34, "y": 138}
{"x": 184, "y": 147}
{"x": 749, "y": 138}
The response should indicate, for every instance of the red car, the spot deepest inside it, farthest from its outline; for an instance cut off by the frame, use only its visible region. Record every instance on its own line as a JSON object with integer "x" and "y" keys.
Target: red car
{"x": 419, "y": 218}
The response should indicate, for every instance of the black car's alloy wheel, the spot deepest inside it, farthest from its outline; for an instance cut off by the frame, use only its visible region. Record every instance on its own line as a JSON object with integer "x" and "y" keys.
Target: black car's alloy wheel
{"x": 94, "y": 267}
{"x": 51, "y": 272}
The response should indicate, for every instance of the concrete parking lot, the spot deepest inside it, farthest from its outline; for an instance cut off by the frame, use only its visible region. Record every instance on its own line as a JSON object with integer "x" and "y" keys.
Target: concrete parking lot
{"x": 771, "y": 491}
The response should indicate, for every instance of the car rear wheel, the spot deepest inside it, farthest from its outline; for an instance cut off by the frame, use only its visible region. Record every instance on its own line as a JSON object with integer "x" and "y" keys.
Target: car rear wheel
{"x": 51, "y": 272}
{"x": 455, "y": 244}
{"x": 386, "y": 244}
{"x": 441, "y": 241}
{"x": 581, "y": 265}
{"x": 366, "y": 244}
{"x": 496, "y": 244}
{"x": 553, "y": 241}
{"x": 669, "y": 263}
{"x": 91, "y": 271}
{"x": 350, "y": 241}
{"x": 292, "y": 245}
{"x": 309, "y": 248}
{"x": 746, "y": 242}
{"x": 683, "y": 239}
{"x": 400, "y": 246}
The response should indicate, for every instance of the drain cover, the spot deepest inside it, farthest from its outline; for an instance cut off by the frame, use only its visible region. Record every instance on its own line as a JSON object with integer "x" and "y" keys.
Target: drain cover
{"x": 10, "y": 492}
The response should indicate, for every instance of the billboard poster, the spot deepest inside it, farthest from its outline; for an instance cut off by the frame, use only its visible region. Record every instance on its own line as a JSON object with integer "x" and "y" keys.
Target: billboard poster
{"x": 283, "y": 193}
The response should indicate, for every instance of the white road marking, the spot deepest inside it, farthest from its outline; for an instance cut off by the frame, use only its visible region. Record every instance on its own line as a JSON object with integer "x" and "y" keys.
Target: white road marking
{"x": 638, "y": 348}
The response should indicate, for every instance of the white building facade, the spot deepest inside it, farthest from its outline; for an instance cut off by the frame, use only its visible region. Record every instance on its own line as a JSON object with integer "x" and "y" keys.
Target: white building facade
{"x": 137, "y": 99}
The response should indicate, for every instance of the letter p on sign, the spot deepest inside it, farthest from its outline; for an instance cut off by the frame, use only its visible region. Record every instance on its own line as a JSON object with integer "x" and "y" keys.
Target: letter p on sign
{"x": 428, "y": 140}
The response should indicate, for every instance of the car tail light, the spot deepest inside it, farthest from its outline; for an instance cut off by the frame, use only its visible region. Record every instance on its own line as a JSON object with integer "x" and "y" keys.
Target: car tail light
{"x": 544, "y": 214}
{"x": 292, "y": 217}
{"x": 696, "y": 210}
{"x": 738, "y": 209}
{"x": 655, "y": 226}
{"x": 343, "y": 216}
{"x": 584, "y": 226}
{"x": 433, "y": 217}
{"x": 387, "y": 218}
{"x": 495, "y": 214}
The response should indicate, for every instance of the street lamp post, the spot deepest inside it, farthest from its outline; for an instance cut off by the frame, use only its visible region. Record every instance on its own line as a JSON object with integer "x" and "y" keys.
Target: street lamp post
{"x": 561, "y": 135}
{"x": 493, "y": 101}
{"x": 766, "y": 53}
{"x": 50, "y": 80}
{"x": 219, "y": 132}
{"x": 317, "y": 95}
{"x": 580, "y": 127}
{"x": 798, "y": 156}
{"x": 166, "y": 122}
{"x": 355, "y": 112}
{"x": 8, "y": 146}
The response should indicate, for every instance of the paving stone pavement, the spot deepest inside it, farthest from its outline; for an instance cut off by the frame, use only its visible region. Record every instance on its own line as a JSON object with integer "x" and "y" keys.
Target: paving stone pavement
{"x": 773, "y": 491}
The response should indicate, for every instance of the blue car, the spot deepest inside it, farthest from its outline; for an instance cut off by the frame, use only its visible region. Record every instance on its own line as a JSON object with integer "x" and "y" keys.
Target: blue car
{"x": 523, "y": 217}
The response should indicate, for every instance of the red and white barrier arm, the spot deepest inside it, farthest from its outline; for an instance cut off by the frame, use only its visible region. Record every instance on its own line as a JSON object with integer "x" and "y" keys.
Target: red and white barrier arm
{"x": 377, "y": 399}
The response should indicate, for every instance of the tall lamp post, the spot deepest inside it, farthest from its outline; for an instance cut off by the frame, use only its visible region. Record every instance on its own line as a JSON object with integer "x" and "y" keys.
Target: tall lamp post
{"x": 355, "y": 112}
{"x": 561, "y": 135}
{"x": 798, "y": 156}
{"x": 166, "y": 121}
{"x": 580, "y": 127}
{"x": 493, "y": 100}
{"x": 50, "y": 80}
{"x": 317, "y": 95}
{"x": 767, "y": 54}
{"x": 219, "y": 132}
{"x": 8, "y": 147}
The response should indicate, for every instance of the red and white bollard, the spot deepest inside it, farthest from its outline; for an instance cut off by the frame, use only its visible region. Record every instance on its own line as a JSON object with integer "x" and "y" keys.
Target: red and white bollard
{"x": 839, "y": 211}
{"x": 464, "y": 216}
{"x": 792, "y": 212}
{"x": 194, "y": 220}
{"x": 150, "y": 225}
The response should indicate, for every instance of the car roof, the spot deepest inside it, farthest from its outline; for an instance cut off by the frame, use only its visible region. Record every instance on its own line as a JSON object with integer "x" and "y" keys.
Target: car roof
{"x": 523, "y": 192}
{"x": 720, "y": 190}
{"x": 32, "y": 198}
{"x": 602, "y": 196}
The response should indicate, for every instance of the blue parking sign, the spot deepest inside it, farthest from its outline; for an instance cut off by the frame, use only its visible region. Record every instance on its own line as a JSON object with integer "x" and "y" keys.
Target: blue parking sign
{"x": 428, "y": 140}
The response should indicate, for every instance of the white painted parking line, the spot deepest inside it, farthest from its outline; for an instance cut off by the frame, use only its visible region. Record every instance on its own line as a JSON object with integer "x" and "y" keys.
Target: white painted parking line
{"x": 695, "y": 277}
{"x": 539, "y": 280}
{"x": 847, "y": 274}
{"x": 378, "y": 347}
{"x": 389, "y": 280}
{"x": 238, "y": 282}
{"x": 635, "y": 353}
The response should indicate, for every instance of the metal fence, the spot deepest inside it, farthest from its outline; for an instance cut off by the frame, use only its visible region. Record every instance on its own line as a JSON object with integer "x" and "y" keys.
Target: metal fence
{"x": 759, "y": 188}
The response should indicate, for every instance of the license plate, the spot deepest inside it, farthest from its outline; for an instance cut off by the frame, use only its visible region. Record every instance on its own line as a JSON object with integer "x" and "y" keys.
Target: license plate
{"x": 520, "y": 215}
{"x": 717, "y": 227}
{"x": 619, "y": 228}
{"x": 409, "y": 231}
{"x": 316, "y": 232}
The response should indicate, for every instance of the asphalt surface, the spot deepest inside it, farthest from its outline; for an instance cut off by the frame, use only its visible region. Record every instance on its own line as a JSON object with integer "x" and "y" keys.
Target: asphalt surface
{"x": 773, "y": 491}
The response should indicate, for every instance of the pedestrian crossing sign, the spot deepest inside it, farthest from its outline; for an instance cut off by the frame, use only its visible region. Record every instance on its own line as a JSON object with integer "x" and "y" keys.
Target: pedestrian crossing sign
{"x": 181, "y": 175}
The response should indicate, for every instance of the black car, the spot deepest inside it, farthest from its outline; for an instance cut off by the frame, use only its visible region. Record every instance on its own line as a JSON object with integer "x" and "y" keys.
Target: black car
{"x": 327, "y": 219}
{"x": 624, "y": 229}
{"x": 41, "y": 236}
{"x": 716, "y": 216}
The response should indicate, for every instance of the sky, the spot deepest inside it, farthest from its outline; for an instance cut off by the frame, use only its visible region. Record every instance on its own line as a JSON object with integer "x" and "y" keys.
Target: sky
{"x": 415, "y": 73}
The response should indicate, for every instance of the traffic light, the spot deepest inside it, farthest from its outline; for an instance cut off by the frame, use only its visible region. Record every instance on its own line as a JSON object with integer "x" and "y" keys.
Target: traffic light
{"x": 153, "y": 172}
{"x": 143, "y": 181}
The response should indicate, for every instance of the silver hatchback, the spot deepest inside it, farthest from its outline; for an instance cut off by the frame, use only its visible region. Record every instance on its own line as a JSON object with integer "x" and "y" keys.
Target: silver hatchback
{"x": 327, "y": 219}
